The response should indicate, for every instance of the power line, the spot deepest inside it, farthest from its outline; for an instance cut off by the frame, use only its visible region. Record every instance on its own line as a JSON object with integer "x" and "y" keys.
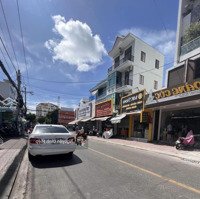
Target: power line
{"x": 55, "y": 91}
{"x": 3, "y": 38}
{"x": 153, "y": 68}
{"x": 9, "y": 32}
{"x": 88, "y": 82}
{"x": 40, "y": 92}
{"x": 63, "y": 82}
{"x": 78, "y": 96}
{"x": 22, "y": 41}
{"x": 160, "y": 16}
{"x": 8, "y": 54}
{"x": 4, "y": 58}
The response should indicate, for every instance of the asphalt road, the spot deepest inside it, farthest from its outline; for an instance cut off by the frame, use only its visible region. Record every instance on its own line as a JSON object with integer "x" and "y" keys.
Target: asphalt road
{"x": 111, "y": 171}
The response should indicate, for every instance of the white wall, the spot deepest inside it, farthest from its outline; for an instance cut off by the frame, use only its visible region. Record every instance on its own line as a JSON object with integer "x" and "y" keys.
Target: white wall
{"x": 141, "y": 67}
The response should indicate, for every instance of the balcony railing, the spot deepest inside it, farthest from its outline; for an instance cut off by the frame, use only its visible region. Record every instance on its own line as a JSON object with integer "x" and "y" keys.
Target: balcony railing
{"x": 124, "y": 83}
{"x": 121, "y": 61}
{"x": 190, "y": 46}
{"x": 124, "y": 59}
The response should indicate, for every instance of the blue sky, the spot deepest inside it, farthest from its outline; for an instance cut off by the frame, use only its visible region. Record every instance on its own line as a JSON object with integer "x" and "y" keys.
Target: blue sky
{"x": 66, "y": 41}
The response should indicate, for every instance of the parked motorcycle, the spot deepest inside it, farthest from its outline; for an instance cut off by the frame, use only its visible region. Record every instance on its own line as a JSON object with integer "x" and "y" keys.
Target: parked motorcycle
{"x": 185, "y": 142}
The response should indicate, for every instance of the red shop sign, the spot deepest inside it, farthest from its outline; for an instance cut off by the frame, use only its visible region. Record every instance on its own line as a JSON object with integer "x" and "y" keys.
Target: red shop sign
{"x": 103, "y": 109}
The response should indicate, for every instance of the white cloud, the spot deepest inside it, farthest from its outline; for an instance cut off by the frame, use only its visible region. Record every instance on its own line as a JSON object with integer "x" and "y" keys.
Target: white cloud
{"x": 77, "y": 45}
{"x": 162, "y": 40}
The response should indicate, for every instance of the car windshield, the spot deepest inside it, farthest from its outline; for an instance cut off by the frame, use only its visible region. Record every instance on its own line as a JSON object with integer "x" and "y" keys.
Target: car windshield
{"x": 51, "y": 129}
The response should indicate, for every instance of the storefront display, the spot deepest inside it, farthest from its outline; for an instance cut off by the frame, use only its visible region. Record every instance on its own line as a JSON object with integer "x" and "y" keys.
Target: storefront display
{"x": 177, "y": 110}
{"x": 138, "y": 119}
{"x": 103, "y": 113}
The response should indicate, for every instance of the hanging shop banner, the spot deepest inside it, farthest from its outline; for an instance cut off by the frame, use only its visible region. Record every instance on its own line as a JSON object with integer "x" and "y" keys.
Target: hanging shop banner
{"x": 133, "y": 102}
{"x": 85, "y": 112}
{"x": 181, "y": 91}
{"x": 104, "y": 109}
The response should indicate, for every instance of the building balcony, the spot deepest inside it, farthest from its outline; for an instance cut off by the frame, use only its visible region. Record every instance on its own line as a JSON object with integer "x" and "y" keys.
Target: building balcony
{"x": 190, "y": 46}
{"x": 122, "y": 65}
{"x": 122, "y": 86}
{"x": 102, "y": 96}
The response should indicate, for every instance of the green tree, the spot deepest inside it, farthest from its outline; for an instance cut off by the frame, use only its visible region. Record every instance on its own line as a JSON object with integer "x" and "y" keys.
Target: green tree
{"x": 41, "y": 120}
{"x": 52, "y": 117}
{"x": 31, "y": 117}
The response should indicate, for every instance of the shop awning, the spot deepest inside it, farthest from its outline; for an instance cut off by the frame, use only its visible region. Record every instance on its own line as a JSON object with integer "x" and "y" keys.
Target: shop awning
{"x": 100, "y": 118}
{"x": 87, "y": 119}
{"x": 74, "y": 122}
{"x": 134, "y": 113}
{"x": 118, "y": 118}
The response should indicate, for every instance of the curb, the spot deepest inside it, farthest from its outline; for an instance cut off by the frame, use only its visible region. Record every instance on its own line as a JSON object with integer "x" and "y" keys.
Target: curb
{"x": 139, "y": 148}
{"x": 6, "y": 181}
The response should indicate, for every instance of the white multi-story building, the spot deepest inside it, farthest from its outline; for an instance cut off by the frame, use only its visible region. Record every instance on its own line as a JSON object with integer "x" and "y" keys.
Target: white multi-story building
{"x": 178, "y": 104}
{"x": 43, "y": 109}
{"x": 137, "y": 65}
{"x": 187, "y": 55}
{"x": 188, "y": 29}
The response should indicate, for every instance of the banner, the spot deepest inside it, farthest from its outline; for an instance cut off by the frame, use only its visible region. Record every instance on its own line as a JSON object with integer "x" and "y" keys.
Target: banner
{"x": 133, "y": 102}
{"x": 104, "y": 109}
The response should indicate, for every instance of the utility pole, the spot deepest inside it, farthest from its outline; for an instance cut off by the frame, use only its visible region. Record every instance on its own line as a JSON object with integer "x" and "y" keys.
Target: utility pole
{"x": 25, "y": 101}
{"x": 18, "y": 98}
{"x": 18, "y": 89}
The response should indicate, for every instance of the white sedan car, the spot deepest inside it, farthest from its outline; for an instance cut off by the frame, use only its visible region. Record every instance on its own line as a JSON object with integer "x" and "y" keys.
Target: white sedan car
{"x": 49, "y": 139}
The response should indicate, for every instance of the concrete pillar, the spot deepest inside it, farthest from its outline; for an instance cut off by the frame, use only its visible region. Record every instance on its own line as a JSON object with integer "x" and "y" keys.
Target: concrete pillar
{"x": 150, "y": 132}
{"x": 159, "y": 124}
{"x": 153, "y": 127}
{"x": 130, "y": 131}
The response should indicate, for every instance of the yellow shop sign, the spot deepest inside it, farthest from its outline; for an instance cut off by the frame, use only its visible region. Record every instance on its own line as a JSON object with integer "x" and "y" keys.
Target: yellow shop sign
{"x": 177, "y": 90}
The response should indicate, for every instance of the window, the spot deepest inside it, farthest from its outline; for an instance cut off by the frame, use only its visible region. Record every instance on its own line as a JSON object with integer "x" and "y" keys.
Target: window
{"x": 141, "y": 80}
{"x": 176, "y": 76}
{"x": 196, "y": 70}
{"x": 50, "y": 129}
{"x": 157, "y": 64}
{"x": 155, "y": 85}
{"x": 143, "y": 56}
{"x": 127, "y": 53}
{"x": 102, "y": 91}
{"x": 116, "y": 61}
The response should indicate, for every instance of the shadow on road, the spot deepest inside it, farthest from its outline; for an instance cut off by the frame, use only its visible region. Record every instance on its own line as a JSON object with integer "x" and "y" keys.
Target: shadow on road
{"x": 55, "y": 161}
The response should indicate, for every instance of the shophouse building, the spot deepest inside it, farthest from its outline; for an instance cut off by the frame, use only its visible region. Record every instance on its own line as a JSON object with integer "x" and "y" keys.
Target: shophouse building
{"x": 178, "y": 105}
{"x": 65, "y": 115}
{"x": 137, "y": 68}
{"x": 84, "y": 114}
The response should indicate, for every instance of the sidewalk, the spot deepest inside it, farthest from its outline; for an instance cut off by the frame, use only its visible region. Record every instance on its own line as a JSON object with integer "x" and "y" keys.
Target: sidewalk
{"x": 11, "y": 153}
{"x": 191, "y": 156}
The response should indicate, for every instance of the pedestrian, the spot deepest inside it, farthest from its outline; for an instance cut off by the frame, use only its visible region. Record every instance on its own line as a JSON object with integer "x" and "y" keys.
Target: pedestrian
{"x": 169, "y": 131}
{"x": 76, "y": 128}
